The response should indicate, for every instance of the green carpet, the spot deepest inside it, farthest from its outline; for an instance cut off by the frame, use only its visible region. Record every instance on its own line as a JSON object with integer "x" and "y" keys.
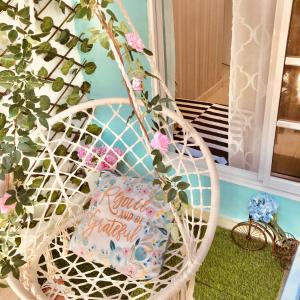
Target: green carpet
{"x": 229, "y": 272}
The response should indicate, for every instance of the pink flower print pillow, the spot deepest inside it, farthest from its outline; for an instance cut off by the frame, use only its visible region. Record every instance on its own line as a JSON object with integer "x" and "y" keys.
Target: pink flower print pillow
{"x": 125, "y": 227}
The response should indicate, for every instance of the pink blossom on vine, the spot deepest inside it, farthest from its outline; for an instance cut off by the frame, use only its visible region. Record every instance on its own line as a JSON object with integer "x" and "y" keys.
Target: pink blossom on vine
{"x": 107, "y": 160}
{"x": 81, "y": 152}
{"x": 89, "y": 160}
{"x": 160, "y": 141}
{"x": 137, "y": 84}
{"x": 135, "y": 41}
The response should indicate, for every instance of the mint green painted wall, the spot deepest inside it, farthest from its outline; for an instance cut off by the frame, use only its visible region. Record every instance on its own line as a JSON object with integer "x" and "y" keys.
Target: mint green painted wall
{"x": 106, "y": 82}
{"x": 234, "y": 204}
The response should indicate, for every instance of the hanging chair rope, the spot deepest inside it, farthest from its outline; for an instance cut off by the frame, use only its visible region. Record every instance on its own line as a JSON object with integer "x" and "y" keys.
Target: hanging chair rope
{"x": 136, "y": 107}
{"x": 150, "y": 59}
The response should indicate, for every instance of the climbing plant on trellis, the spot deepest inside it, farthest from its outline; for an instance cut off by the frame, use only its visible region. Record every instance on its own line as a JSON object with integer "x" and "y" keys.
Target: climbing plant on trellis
{"x": 40, "y": 75}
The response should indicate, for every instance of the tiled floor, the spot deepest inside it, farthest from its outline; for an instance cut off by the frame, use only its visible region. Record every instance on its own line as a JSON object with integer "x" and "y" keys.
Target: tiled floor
{"x": 220, "y": 95}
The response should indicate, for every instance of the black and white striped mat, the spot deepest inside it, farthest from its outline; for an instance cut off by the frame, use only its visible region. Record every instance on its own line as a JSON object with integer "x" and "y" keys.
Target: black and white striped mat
{"x": 211, "y": 121}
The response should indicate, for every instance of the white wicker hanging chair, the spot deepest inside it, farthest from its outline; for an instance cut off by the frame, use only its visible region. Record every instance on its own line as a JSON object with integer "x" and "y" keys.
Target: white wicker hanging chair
{"x": 52, "y": 270}
{"x": 46, "y": 245}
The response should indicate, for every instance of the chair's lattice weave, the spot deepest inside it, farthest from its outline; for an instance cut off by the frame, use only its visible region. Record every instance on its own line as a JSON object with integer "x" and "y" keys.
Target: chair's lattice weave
{"x": 63, "y": 183}
{"x": 60, "y": 202}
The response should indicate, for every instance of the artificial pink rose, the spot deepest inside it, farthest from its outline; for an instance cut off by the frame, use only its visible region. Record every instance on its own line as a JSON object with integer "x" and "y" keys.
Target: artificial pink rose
{"x": 110, "y": 158}
{"x": 89, "y": 160}
{"x": 119, "y": 151}
{"x": 160, "y": 141}
{"x": 5, "y": 209}
{"x": 101, "y": 150}
{"x": 102, "y": 166}
{"x": 134, "y": 41}
{"x": 137, "y": 84}
{"x": 81, "y": 152}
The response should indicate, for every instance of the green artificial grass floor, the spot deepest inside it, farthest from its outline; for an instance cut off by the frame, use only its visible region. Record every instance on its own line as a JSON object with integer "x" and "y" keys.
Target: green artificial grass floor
{"x": 229, "y": 272}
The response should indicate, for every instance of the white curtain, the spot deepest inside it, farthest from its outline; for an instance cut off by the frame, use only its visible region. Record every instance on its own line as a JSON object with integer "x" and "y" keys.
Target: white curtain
{"x": 169, "y": 47}
{"x": 252, "y": 30}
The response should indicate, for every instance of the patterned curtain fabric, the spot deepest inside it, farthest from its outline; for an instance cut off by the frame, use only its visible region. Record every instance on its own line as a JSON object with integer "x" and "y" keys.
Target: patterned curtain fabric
{"x": 253, "y": 23}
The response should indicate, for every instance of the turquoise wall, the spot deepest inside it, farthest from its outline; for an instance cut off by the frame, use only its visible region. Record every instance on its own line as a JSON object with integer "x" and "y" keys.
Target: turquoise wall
{"x": 106, "y": 82}
{"x": 234, "y": 205}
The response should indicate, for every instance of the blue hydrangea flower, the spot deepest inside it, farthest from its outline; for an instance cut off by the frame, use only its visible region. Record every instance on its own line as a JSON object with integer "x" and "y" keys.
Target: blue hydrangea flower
{"x": 262, "y": 207}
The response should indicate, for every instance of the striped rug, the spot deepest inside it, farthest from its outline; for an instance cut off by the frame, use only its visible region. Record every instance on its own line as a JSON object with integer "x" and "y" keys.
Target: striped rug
{"x": 211, "y": 121}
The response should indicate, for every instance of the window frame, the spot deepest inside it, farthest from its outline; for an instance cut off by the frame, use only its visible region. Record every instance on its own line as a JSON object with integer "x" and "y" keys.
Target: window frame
{"x": 261, "y": 180}
{"x": 277, "y": 63}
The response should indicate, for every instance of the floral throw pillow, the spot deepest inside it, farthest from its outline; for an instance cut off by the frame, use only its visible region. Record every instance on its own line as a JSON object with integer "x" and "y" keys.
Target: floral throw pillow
{"x": 125, "y": 228}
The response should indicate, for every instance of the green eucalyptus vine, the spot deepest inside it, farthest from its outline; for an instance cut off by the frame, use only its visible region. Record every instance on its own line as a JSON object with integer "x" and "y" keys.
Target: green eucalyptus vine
{"x": 22, "y": 107}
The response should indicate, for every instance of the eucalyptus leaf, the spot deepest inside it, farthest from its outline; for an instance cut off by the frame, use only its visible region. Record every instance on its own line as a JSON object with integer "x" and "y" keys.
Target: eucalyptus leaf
{"x": 24, "y": 12}
{"x": 85, "y": 188}
{"x": 2, "y": 120}
{"x": 72, "y": 42}
{"x": 156, "y": 182}
{"x": 61, "y": 150}
{"x": 37, "y": 182}
{"x": 58, "y": 84}
{"x": 6, "y": 162}
{"x": 58, "y": 127}
{"x": 13, "y": 35}
{"x": 46, "y": 164}
{"x": 25, "y": 163}
{"x": 85, "y": 87}
{"x": 60, "y": 209}
{"x": 172, "y": 194}
{"x": 74, "y": 97}
{"x": 64, "y": 36}
{"x": 81, "y": 12}
{"x": 176, "y": 178}
{"x": 5, "y": 27}
{"x": 7, "y": 61}
{"x": 183, "y": 197}
{"x": 44, "y": 122}
{"x": 26, "y": 121}
{"x": 90, "y": 68}
{"x": 44, "y": 102}
{"x": 7, "y": 77}
{"x": 27, "y": 148}
{"x": 51, "y": 54}
{"x": 67, "y": 65}
{"x": 47, "y": 24}
{"x": 86, "y": 46}
{"x": 43, "y": 72}
{"x": 94, "y": 129}
{"x": 183, "y": 185}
